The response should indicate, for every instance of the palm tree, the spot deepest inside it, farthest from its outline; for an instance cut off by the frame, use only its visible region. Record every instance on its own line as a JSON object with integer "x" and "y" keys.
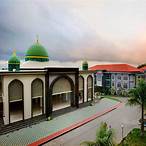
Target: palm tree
{"x": 104, "y": 137}
{"x": 138, "y": 97}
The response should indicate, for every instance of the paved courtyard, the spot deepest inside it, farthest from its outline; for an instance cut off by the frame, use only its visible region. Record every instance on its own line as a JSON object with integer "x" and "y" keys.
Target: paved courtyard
{"x": 28, "y": 135}
{"x": 126, "y": 115}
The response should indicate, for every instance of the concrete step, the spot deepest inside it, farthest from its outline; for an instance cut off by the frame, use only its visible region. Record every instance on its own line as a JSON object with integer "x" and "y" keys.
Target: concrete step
{"x": 21, "y": 124}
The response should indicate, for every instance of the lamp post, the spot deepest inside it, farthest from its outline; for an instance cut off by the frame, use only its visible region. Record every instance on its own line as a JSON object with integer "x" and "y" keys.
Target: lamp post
{"x": 122, "y": 127}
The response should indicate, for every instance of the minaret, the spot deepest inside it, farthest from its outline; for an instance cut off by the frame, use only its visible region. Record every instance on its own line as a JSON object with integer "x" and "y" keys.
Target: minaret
{"x": 85, "y": 65}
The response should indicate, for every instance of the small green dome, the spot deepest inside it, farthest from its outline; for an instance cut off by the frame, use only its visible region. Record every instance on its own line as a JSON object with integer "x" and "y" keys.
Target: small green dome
{"x": 37, "y": 53}
{"x": 14, "y": 62}
{"x": 85, "y": 65}
{"x": 14, "y": 59}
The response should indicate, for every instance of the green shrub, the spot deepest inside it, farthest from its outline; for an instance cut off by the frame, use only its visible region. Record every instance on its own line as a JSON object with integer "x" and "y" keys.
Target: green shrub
{"x": 134, "y": 139}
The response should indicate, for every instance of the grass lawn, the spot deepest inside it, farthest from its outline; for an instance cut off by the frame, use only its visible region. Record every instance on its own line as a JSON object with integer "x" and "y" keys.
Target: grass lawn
{"x": 134, "y": 139}
{"x": 112, "y": 97}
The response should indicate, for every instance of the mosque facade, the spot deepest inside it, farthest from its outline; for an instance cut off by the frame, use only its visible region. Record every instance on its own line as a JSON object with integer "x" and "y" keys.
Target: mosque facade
{"x": 35, "y": 89}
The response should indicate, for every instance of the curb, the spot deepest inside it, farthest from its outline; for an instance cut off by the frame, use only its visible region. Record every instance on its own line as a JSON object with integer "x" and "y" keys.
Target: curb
{"x": 74, "y": 126}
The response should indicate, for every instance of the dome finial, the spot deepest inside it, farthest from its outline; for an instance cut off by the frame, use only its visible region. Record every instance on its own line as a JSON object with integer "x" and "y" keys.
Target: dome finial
{"x": 14, "y": 52}
{"x": 37, "y": 37}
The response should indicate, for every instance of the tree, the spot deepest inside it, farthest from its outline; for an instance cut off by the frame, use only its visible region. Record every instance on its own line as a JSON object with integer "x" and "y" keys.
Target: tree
{"x": 138, "y": 97}
{"x": 113, "y": 91}
{"x": 104, "y": 137}
{"x": 141, "y": 65}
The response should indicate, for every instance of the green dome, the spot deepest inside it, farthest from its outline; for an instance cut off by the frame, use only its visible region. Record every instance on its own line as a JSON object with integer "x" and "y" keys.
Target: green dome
{"x": 37, "y": 53}
{"x": 14, "y": 63}
{"x": 14, "y": 59}
{"x": 85, "y": 65}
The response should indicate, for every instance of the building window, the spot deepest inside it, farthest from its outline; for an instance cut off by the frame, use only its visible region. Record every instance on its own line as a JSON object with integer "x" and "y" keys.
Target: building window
{"x": 125, "y": 78}
{"x": 108, "y": 76}
{"x": 113, "y": 77}
{"x": 99, "y": 77}
{"x": 119, "y": 77}
{"x": 125, "y": 86}
{"x": 108, "y": 83}
{"x": 119, "y": 84}
{"x": 113, "y": 84}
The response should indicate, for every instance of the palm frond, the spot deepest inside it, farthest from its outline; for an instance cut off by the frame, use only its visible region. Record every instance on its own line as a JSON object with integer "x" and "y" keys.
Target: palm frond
{"x": 104, "y": 137}
{"x": 138, "y": 94}
{"x": 133, "y": 101}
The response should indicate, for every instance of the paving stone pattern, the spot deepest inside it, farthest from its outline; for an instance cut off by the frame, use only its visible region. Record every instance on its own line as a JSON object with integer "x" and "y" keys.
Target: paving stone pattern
{"x": 28, "y": 135}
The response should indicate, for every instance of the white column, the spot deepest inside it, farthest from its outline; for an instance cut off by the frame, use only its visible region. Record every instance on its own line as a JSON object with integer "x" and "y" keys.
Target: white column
{"x": 27, "y": 97}
{"x": 85, "y": 88}
{"x": 5, "y": 101}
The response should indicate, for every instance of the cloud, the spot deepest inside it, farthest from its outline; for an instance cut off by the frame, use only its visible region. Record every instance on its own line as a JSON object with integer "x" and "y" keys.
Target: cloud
{"x": 96, "y": 30}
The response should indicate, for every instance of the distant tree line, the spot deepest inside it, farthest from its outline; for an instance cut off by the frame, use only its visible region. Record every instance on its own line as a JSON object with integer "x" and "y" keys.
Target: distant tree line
{"x": 141, "y": 65}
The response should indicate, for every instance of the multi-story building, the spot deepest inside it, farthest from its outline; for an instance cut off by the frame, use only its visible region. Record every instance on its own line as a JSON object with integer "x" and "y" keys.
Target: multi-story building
{"x": 117, "y": 77}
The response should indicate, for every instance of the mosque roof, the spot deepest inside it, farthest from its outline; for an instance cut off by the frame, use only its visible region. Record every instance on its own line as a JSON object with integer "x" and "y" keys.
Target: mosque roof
{"x": 37, "y": 53}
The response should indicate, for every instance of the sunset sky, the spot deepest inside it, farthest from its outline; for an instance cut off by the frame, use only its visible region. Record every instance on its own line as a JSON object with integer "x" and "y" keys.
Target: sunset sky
{"x": 73, "y": 30}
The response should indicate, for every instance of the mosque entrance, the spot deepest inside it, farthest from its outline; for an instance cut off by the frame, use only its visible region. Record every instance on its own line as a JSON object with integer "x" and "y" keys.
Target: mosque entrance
{"x": 62, "y": 93}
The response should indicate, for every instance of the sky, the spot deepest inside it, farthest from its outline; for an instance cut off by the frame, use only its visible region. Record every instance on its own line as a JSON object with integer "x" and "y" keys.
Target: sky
{"x": 73, "y": 30}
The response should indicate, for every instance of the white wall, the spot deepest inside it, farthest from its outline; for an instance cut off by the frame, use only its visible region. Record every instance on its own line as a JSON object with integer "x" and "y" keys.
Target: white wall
{"x": 85, "y": 76}
{"x": 26, "y": 80}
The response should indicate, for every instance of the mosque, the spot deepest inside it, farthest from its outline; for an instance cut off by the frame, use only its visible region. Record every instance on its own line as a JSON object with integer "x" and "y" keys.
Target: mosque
{"x": 33, "y": 88}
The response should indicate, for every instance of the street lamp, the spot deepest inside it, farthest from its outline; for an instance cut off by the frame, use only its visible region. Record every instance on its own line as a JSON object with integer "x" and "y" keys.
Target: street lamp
{"x": 122, "y": 127}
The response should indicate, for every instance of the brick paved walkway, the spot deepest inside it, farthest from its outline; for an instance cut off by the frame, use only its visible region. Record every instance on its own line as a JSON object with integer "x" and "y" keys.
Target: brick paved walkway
{"x": 28, "y": 135}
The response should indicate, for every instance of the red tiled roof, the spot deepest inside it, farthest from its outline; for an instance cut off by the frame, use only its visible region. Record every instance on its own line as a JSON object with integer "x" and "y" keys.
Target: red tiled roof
{"x": 116, "y": 68}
